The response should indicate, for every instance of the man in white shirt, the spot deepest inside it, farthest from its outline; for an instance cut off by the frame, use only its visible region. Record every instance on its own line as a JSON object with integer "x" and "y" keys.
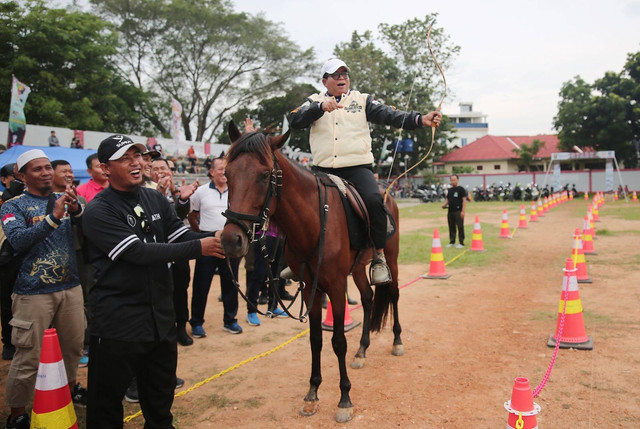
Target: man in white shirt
{"x": 207, "y": 205}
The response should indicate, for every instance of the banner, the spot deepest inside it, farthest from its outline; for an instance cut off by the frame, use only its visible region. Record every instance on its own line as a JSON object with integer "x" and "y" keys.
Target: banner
{"x": 176, "y": 117}
{"x": 608, "y": 177}
{"x": 17, "y": 120}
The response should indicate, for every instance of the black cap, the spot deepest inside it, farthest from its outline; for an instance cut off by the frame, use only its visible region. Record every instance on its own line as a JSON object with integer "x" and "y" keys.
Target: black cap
{"x": 115, "y": 146}
{"x": 7, "y": 169}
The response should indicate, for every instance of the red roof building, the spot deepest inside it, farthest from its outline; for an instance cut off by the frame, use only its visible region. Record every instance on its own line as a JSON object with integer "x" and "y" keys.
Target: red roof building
{"x": 494, "y": 154}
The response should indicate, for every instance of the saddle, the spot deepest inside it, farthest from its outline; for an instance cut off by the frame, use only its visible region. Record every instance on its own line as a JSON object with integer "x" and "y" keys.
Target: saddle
{"x": 356, "y": 212}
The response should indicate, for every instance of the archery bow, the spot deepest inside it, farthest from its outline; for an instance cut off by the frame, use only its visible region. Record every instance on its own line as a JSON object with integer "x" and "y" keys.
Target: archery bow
{"x": 433, "y": 129}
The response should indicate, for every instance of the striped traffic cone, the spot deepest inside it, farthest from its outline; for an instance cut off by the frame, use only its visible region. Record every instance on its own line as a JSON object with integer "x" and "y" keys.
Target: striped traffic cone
{"x": 522, "y": 410}
{"x": 591, "y": 226}
{"x": 523, "y": 218}
{"x": 573, "y": 334}
{"x": 505, "y": 232}
{"x": 595, "y": 212}
{"x": 476, "y": 240}
{"x": 577, "y": 254}
{"x": 586, "y": 196}
{"x": 545, "y": 205}
{"x": 349, "y": 324}
{"x": 635, "y": 197}
{"x": 570, "y": 196}
{"x": 436, "y": 266}
{"x": 615, "y": 196}
{"x": 52, "y": 406}
{"x": 540, "y": 208}
{"x": 533, "y": 217}
{"x": 587, "y": 238}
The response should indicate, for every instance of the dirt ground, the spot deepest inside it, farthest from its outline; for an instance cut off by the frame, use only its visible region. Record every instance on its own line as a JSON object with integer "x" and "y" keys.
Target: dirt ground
{"x": 466, "y": 339}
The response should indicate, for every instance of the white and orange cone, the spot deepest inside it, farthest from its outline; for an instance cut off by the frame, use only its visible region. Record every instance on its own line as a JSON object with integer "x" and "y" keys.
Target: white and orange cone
{"x": 533, "y": 217}
{"x": 522, "y": 410}
{"x": 634, "y": 198}
{"x": 545, "y": 205}
{"x": 52, "y": 406}
{"x": 586, "y": 196}
{"x": 587, "y": 238}
{"x": 477, "y": 244}
{"x": 573, "y": 334}
{"x": 436, "y": 265}
{"x": 540, "y": 208}
{"x": 523, "y": 218}
{"x": 577, "y": 254}
{"x": 505, "y": 232}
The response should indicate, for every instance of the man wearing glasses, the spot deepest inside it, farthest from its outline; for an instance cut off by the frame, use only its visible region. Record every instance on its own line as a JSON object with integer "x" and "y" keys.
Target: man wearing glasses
{"x": 341, "y": 143}
{"x": 133, "y": 234}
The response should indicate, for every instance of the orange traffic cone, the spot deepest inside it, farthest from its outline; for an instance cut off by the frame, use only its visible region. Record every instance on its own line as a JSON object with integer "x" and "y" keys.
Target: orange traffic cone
{"x": 545, "y": 205}
{"x": 522, "y": 409}
{"x": 615, "y": 196}
{"x": 591, "y": 226}
{"x": 505, "y": 232}
{"x": 349, "y": 324}
{"x": 540, "y": 208}
{"x": 52, "y": 406}
{"x": 533, "y": 217}
{"x": 586, "y": 196}
{"x": 635, "y": 197}
{"x": 572, "y": 333}
{"x": 476, "y": 241}
{"x": 587, "y": 238}
{"x": 570, "y": 196}
{"x": 578, "y": 259}
{"x": 523, "y": 218}
{"x": 436, "y": 267}
{"x": 595, "y": 212}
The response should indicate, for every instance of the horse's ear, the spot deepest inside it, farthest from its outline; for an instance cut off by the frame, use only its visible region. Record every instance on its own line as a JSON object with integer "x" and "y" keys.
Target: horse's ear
{"x": 234, "y": 132}
{"x": 279, "y": 141}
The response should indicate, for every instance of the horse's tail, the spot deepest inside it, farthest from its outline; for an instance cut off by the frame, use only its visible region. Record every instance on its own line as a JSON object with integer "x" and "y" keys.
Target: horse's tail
{"x": 384, "y": 296}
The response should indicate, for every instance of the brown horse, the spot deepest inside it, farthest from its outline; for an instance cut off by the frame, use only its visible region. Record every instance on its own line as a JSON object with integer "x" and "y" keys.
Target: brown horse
{"x": 263, "y": 184}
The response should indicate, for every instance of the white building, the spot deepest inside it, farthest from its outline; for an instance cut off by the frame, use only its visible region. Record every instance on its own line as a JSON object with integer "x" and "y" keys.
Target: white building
{"x": 469, "y": 125}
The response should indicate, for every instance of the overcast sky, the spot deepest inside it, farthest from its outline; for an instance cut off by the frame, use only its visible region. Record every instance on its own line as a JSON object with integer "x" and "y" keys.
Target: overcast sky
{"x": 514, "y": 56}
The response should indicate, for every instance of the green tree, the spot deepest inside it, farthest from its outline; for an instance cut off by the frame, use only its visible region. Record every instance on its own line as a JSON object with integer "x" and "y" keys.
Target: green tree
{"x": 399, "y": 70}
{"x": 605, "y": 115}
{"x": 64, "y": 56}
{"x": 528, "y": 154}
{"x": 200, "y": 52}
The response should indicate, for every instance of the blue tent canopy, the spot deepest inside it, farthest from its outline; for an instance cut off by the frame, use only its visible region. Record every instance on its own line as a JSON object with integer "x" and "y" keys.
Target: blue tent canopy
{"x": 76, "y": 157}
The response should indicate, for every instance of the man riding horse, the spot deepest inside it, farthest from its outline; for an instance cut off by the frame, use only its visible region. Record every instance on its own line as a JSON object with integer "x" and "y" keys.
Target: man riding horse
{"x": 341, "y": 143}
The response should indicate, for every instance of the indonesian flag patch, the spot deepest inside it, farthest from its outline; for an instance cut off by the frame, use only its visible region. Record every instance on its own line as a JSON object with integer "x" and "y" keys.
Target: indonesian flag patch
{"x": 8, "y": 218}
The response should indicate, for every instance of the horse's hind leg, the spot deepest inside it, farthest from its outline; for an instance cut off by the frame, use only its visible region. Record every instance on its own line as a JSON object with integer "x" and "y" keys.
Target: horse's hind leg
{"x": 310, "y": 406}
{"x": 366, "y": 294}
{"x": 339, "y": 343}
{"x": 394, "y": 292}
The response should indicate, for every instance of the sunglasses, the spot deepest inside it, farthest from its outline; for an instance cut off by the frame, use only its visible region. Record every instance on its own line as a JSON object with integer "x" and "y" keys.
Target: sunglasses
{"x": 144, "y": 222}
{"x": 338, "y": 75}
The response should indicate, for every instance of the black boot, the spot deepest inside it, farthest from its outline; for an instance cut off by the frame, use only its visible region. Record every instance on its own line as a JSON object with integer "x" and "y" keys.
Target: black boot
{"x": 183, "y": 338}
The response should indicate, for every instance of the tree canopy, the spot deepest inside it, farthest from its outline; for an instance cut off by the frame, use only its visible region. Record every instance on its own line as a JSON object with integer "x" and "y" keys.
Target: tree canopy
{"x": 65, "y": 57}
{"x": 604, "y": 115}
{"x": 528, "y": 153}
{"x": 211, "y": 59}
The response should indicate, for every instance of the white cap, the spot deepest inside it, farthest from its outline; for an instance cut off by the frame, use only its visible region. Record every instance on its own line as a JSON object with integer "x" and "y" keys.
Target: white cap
{"x": 331, "y": 66}
{"x": 29, "y": 155}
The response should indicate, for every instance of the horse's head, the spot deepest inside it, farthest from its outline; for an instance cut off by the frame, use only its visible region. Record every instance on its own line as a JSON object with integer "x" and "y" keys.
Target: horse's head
{"x": 254, "y": 179}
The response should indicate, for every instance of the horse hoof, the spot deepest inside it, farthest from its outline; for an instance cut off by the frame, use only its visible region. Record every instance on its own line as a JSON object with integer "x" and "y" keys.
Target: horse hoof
{"x": 344, "y": 415}
{"x": 398, "y": 350}
{"x": 309, "y": 408}
{"x": 357, "y": 363}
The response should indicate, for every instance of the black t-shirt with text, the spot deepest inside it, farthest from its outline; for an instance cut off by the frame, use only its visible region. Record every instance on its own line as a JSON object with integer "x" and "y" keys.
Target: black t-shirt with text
{"x": 455, "y": 196}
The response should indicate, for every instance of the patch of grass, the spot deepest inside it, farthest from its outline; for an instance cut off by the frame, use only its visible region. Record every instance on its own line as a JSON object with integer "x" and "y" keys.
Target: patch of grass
{"x": 542, "y": 316}
{"x": 254, "y": 402}
{"x": 623, "y": 210}
{"x": 598, "y": 318}
{"x": 221, "y": 401}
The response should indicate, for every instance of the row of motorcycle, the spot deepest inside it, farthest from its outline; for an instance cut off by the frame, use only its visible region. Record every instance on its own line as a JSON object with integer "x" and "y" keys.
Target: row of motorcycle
{"x": 531, "y": 192}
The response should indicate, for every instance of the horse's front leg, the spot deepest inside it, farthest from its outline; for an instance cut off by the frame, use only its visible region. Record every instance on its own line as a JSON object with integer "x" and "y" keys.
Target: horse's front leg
{"x": 310, "y": 406}
{"x": 366, "y": 295}
{"x": 339, "y": 343}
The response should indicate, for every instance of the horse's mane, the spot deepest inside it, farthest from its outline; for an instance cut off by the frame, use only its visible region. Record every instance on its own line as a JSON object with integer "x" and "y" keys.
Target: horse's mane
{"x": 254, "y": 142}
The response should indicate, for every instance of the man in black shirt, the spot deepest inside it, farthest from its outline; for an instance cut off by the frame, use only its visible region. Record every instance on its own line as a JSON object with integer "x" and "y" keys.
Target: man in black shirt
{"x": 134, "y": 233}
{"x": 457, "y": 203}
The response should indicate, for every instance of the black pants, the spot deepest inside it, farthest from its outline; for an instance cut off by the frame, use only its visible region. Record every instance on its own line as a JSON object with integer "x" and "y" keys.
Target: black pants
{"x": 203, "y": 274}
{"x": 259, "y": 274}
{"x": 456, "y": 221}
{"x": 112, "y": 366}
{"x": 361, "y": 176}
{"x": 8, "y": 275}
{"x": 181, "y": 274}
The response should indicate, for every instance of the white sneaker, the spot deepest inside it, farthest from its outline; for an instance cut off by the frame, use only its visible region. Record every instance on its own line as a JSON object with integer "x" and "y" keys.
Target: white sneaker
{"x": 450, "y": 245}
{"x": 459, "y": 246}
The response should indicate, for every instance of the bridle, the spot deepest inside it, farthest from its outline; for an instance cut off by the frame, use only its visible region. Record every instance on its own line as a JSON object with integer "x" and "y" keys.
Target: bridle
{"x": 259, "y": 222}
